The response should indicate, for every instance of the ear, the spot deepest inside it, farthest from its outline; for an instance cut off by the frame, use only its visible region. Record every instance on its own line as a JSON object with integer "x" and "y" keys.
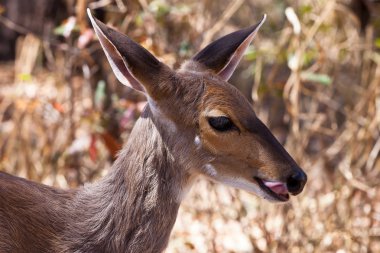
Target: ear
{"x": 132, "y": 64}
{"x": 223, "y": 55}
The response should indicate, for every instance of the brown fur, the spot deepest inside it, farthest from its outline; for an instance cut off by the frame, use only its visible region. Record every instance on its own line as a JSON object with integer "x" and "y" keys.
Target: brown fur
{"x": 133, "y": 209}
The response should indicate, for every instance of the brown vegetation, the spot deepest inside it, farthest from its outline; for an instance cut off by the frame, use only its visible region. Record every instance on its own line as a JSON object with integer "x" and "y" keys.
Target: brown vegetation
{"x": 313, "y": 75}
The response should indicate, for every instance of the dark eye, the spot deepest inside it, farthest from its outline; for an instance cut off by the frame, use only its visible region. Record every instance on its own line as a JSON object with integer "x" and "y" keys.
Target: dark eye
{"x": 221, "y": 123}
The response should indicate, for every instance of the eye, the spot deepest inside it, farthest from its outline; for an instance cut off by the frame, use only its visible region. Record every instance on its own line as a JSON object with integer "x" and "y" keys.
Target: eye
{"x": 221, "y": 123}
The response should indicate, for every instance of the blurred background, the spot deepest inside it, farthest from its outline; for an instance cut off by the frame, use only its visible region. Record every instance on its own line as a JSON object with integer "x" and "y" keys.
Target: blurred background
{"x": 312, "y": 74}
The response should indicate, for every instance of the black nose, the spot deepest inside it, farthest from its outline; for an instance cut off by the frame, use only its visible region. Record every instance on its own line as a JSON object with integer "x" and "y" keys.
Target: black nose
{"x": 296, "y": 182}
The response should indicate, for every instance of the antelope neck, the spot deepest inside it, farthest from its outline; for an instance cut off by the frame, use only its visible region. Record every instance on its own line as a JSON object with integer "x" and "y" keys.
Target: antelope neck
{"x": 137, "y": 198}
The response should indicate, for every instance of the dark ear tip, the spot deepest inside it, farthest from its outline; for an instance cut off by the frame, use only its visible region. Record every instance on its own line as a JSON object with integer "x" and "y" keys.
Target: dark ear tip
{"x": 96, "y": 23}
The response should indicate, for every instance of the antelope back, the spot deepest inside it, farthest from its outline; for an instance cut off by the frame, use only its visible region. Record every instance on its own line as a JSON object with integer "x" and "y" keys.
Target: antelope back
{"x": 219, "y": 134}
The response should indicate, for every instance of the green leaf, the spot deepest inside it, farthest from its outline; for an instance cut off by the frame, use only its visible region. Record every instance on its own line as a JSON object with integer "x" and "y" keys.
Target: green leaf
{"x": 308, "y": 57}
{"x": 250, "y": 54}
{"x": 25, "y": 77}
{"x": 100, "y": 93}
{"x": 377, "y": 42}
{"x": 159, "y": 8}
{"x": 304, "y": 9}
{"x": 315, "y": 77}
{"x": 140, "y": 19}
{"x": 60, "y": 30}
{"x": 184, "y": 48}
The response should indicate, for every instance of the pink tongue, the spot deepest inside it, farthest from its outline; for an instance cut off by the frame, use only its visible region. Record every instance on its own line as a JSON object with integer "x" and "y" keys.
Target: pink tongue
{"x": 277, "y": 187}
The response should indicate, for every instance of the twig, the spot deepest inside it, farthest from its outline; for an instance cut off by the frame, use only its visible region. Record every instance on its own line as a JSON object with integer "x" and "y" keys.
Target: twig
{"x": 344, "y": 168}
{"x": 13, "y": 26}
{"x": 99, "y": 4}
{"x": 230, "y": 10}
{"x": 121, "y": 5}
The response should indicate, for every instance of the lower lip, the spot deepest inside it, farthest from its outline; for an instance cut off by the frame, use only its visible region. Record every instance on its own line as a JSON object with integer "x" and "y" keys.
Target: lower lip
{"x": 282, "y": 198}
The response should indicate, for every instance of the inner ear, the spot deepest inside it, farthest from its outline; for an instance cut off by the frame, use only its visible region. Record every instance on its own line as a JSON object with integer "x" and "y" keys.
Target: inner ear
{"x": 132, "y": 64}
{"x": 223, "y": 55}
{"x": 118, "y": 65}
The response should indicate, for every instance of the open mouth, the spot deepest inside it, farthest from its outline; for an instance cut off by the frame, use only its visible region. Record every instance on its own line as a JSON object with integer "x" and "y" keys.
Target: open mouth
{"x": 275, "y": 189}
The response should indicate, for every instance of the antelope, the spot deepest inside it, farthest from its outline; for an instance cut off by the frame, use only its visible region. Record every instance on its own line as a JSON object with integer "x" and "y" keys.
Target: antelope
{"x": 194, "y": 124}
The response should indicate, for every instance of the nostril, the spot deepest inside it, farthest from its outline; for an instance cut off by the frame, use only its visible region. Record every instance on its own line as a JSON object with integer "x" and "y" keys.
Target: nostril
{"x": 296, "y": 182}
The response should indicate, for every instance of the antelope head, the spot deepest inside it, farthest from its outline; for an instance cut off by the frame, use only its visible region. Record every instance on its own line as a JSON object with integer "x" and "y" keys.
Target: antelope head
{"x": 221, "y": 136}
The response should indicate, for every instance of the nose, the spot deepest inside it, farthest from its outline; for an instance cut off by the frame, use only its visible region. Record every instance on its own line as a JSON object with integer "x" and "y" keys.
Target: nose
{"x": 296, "y": 182}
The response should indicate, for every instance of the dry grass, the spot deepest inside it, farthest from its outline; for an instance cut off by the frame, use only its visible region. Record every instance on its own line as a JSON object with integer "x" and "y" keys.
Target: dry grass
{"x": 317, "y": 87}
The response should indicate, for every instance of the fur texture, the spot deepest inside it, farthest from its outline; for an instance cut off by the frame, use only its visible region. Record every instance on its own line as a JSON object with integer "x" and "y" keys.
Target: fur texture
{"x": 133, "y": 209}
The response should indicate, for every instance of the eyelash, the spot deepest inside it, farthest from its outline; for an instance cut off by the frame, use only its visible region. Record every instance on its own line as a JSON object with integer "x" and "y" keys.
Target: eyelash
{"x": 221, "y": 123}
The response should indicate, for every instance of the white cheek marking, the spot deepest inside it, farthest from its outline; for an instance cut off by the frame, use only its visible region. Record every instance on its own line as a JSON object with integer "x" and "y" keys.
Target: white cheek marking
{"x": 197, "y": 141}
{"x": 246, "y": 185}
{"x": 210, "y": 170}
